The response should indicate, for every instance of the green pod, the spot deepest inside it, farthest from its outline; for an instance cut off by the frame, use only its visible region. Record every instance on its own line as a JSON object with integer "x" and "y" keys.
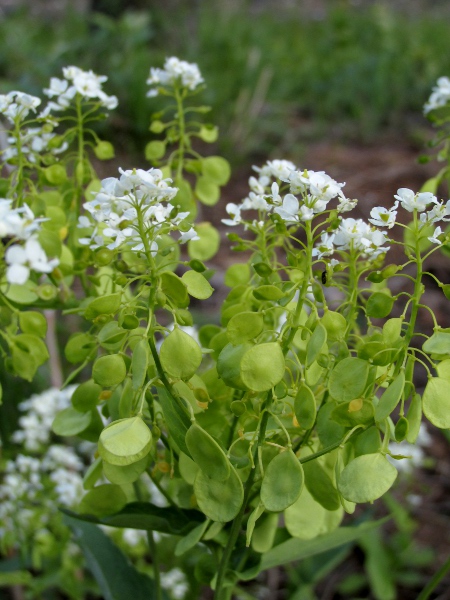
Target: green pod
{"x": 207, "y": 453}
{"x": 125, "y": 441}
{"x": 320, "y": 485}
{"x": 335, "y": 324}
{"x": 109, "y": 370}
{"x": 305, "y": 407}
{"x": 121, "y": 475}
{"x": 367, "y": 478}
{"x": 283, "y": 482}
{"x": 219, "y": 500}
{"x": 401, "y": 429}
{"x": 390, "y": 398}
{"x": 180, "y": 354}
{"x": 264, "y": 533}
{"x": 315, "y": 344}
{"x": 229, "y": 364}
{"x": 414, "y": 416}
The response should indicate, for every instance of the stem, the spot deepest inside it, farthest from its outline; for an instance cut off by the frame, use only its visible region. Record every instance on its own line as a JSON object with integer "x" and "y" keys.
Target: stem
{"x": 182, "y": 127}
{"x": 18, "y": 175}
{"x": 155, "y": 559}
{"x": 56, "y": 372}
{"x": 236, "y": 527}
{"x": 435, "y": 580}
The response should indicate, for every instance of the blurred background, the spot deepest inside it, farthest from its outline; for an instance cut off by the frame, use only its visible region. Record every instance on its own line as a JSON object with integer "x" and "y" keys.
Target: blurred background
{"x": 334, "y": 85}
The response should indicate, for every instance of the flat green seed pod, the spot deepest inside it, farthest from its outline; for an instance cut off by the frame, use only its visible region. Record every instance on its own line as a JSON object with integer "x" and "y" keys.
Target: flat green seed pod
{"x": 180, "y": 355}
{"x": 367, "y": 478}
{"x": 264, "y": 533}
{"x": 414, "y": 416}
{"x": 306, "y": 518}
{"x": 283, "y": 482}
{"x": 140, "y": 361}
{"x": 262, "y": 367}
{"x": 219, "y": 500}
{"x": 207, "y": 453}
{"x": 93, "y": 474}
{"x": 70, "y": 421}
{"x": 109, "y": 370}
{"x": 188, "y": 468}
{"x": 125, "y": 441}
{"x": 348, "y": 379}
{"x": 305, "y": 407}
{"x": 121, "y": 475}
{"x": 320, "y": 485}
{"x": 315, "y": 344}
{"x": 335, "y": 324}
{"x": 436, "y": 402}
{"x": 86, "y": 396}
{"x": 103, "y": 500}
{"x": 197, "y": 285}
{"x": 244, "y": 326}
{"x": 438, "y": 343}
{"x": 390, "y": 398}
{"x": 379, "y": 305}
{"x": 229, "y": 364}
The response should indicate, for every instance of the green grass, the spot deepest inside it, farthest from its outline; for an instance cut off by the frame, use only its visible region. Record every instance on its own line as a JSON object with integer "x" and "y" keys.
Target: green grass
{"x": 270, "y": 74}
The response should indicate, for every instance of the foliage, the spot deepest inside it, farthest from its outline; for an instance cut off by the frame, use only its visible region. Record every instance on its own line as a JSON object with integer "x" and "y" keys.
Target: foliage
{"x": 287, "y": 407}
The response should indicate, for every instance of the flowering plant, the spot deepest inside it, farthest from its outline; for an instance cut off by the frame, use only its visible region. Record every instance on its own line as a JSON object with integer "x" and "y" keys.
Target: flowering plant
{"x": 286, "y": 405}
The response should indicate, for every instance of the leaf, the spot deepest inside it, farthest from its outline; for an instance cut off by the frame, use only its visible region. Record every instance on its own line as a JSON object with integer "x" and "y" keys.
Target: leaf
{"x": 125, "y": 441}
{"x": 70, "y": 421}
{"x": 296, "y": 549}
{"x": 197, "y": 285}
{"x": 207, "y": 191}
{"x": 436, "y": 402}
{"x": 207, "y": 453}
{"x": 116, "y": 577}
{"x": 190, "y": 540}
{"x": 367, "y": 478}
{"x": 177, "y": 420}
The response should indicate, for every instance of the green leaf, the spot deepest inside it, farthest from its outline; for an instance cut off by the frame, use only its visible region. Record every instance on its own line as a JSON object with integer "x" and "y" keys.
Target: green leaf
{"x": 207, "y": 453}
{"x": 103, "y": 500}
{"x": 219, "y": 500}
{"x": 436, "y": 402}
{"x": 244, "y": 326}
{"x": 180, "y": 354}
{"x": 116, "y": 577}
{"x": 125, "y": 441}
{"x": 262, "y": 367}
{"x": 197, "y": 285}
{"x": 390, "y": 398}
{"x": 283, "y": 482}
{"x": 177, "y": 419}
{"x": 348, "y": 379}
{"x": 216, "y": 169}
{"x": 207, "y": 191}
{"x": 297, "y": 549}
{"x": 367, "y": 478}
{"x": 208, "y": 244}
{"x": 109, "y": 370}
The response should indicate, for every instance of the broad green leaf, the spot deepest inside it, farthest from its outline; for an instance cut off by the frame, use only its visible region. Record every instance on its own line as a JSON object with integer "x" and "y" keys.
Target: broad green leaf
{"x": 197, "y": 285}
{"x": 103, "y": 500}
{"x": 348, "y": 379}
{"x": 109, "y": 370}
{"x": 367, "y": 478}
{"x": 296, "y": 549}
{"x": 219, "y": 500}
{"x": 305, "y": 407}
{"x": 262, "y": 367}
{"x": 436, "y": 402}
{"x": 180, "y": 354}
{"x": 390, "y": 398}
{"x": 69, "y": 422}
{"x": 116, "y": 577}
{"x": 125, "y": 441}
{"x": 244, "y": 326}
{"x": 190, "y": 540}
{"x": 208, "y": 244}
{"x": 283, "y": 482}
{"x": 207, "y": 453}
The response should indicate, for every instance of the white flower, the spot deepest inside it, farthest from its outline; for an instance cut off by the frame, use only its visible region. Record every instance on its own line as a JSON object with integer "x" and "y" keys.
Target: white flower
{"x": 188, "y": 74}
{"x": 278, "y": 169}
{"x": 411, "y": 201}
{"x": 346, "y": 205}
{"x": 21, "y": 259}
{"x": 439, "y": 96}
{"x": 383, "y": 217}
{"x": 234, "y": 212}
{"x": 435, "y": 237}
{"x": 326, "y": 245}
{"x": 289, "y": 210}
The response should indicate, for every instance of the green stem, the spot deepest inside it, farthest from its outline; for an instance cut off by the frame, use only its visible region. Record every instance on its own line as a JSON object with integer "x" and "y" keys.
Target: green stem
{"x": 435, "y": 580}
{"x": 236, "y": 527}
{"x": 17, "y": 189}
{"x": 155, "y": 559}
{"x": 182, "y": 127}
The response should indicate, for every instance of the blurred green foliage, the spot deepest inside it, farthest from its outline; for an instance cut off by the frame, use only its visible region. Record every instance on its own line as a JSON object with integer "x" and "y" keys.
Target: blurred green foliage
{"x": 273, "y": 76}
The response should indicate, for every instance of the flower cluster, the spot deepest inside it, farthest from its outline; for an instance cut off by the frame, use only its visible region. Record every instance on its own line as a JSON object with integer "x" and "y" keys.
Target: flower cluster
{"x": 134, "y": 210}
{"x": 77, "y": 81}
{"x": 20, "y": 225}
{"x": 33, "y": 141}
{"x": 16, "y": 106}
{"x": 440, "y": 95}
{"x": 175, "y": 70}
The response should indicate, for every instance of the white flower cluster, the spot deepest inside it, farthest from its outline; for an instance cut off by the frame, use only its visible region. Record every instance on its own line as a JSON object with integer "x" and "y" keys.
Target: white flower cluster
{"x": 21, "y": 225}
{"x": 16, "y": 106}
{"x": 77, "y": 81}
{"x": 175, "y": 582}
{"x": 440, "y": 95}
{"x": 40, "y": 410}
{"x": 130, "y": 207}
{"x": 352, "y": 234}
{"x": 175, "y": 70}
{"x": 316, "y": 189}
{"x": 33, "y": 142}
